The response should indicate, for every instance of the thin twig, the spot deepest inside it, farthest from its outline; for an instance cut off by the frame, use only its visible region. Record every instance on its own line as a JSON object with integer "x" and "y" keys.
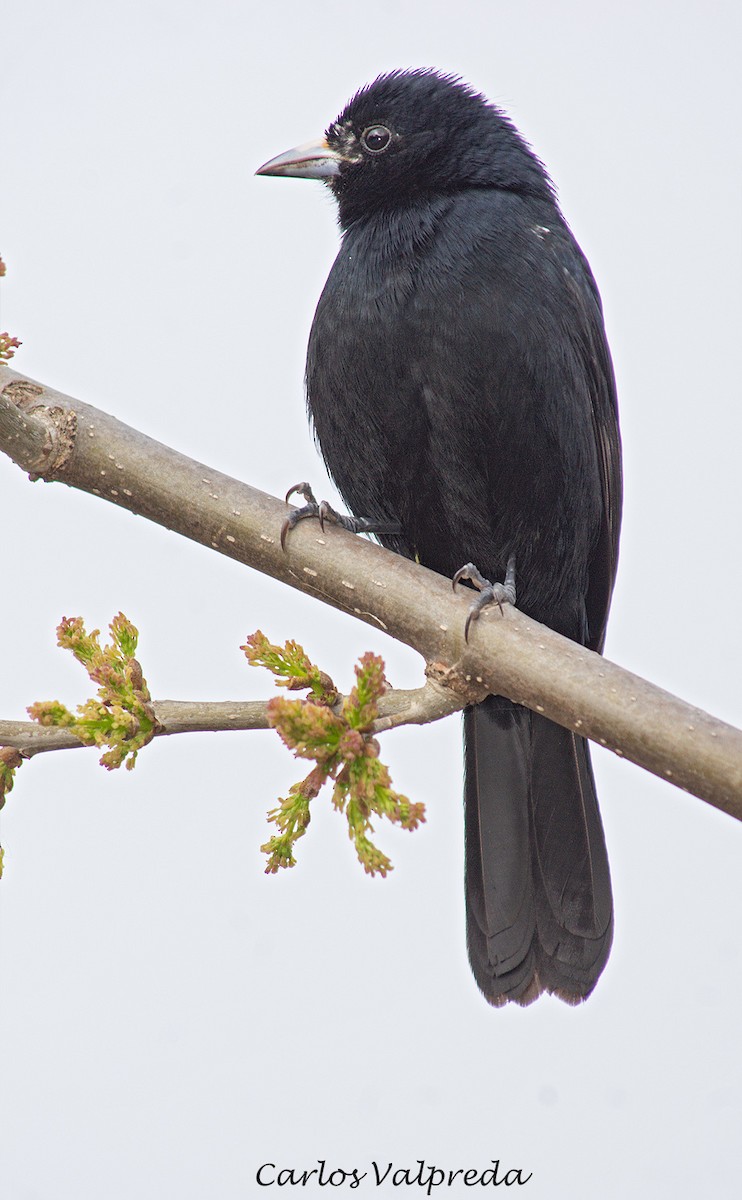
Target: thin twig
{"x": 416, "y": 706}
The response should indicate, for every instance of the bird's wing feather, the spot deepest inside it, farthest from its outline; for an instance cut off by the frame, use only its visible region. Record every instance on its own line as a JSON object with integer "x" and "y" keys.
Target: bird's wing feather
{"x": 589, "y": 334}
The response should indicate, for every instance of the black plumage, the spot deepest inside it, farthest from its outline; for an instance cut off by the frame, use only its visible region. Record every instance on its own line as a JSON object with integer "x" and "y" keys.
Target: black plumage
{"x": 460, "y": 385}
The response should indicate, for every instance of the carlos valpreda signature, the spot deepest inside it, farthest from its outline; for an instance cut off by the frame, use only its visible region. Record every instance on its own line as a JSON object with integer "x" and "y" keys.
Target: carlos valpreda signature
{"x": 422, "y": 1175}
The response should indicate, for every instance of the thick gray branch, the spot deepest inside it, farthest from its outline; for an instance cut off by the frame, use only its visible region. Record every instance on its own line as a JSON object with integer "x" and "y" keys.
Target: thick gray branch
{"x": 57, "y": 438}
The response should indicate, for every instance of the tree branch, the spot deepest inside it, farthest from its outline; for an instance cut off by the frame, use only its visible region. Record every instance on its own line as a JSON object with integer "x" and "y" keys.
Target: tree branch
{"x": 415, "y": 706}
{"x": 57, "y": 438}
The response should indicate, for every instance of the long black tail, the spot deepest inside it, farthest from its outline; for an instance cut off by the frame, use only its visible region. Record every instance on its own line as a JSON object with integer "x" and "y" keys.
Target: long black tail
{"x": 539, "y": 911}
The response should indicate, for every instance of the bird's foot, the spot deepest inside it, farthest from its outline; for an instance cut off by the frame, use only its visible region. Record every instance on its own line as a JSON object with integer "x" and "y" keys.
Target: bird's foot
{"x": 489, "y": 593}
{"x": 325, "y": 512}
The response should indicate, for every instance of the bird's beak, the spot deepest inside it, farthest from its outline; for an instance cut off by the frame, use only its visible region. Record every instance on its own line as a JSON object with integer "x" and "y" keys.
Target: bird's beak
{"x": 313, "y": 160}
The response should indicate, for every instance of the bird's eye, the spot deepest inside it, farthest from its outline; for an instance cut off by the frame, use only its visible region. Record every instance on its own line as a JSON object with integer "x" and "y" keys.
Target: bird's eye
{"x": 376, "y": 139}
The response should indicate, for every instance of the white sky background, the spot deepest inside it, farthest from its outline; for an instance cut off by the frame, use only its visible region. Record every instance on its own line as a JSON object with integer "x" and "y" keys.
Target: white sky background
{"x": 172, "y": 1017}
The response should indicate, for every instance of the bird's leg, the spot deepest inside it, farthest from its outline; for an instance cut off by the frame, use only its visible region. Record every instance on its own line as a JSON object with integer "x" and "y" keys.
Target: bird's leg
{"x": 325, "y": 512}
{"x": 489, "y": 593}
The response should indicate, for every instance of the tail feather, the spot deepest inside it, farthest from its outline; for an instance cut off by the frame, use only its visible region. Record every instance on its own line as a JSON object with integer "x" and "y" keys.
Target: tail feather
{"x": 538, "y": 893}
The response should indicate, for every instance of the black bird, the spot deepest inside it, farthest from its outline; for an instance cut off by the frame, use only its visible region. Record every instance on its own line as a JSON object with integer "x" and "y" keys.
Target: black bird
{"x": 461, "y": 389}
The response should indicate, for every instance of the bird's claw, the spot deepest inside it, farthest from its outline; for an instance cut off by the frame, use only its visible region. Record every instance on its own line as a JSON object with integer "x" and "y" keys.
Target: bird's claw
{"x": 310, "y": 509}
{"x": 327, "y": 513}
{"x": 321, "y": 510}
{"x": 301, "y": 489}
{"x": 489, "y": 593}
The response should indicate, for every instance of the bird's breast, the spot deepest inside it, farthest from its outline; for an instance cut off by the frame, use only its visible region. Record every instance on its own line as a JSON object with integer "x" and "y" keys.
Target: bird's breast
{"x": 446, "y": 391}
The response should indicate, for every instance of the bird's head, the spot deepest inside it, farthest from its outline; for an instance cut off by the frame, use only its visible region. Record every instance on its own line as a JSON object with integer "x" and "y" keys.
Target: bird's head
{"x": 412, "y": 135}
